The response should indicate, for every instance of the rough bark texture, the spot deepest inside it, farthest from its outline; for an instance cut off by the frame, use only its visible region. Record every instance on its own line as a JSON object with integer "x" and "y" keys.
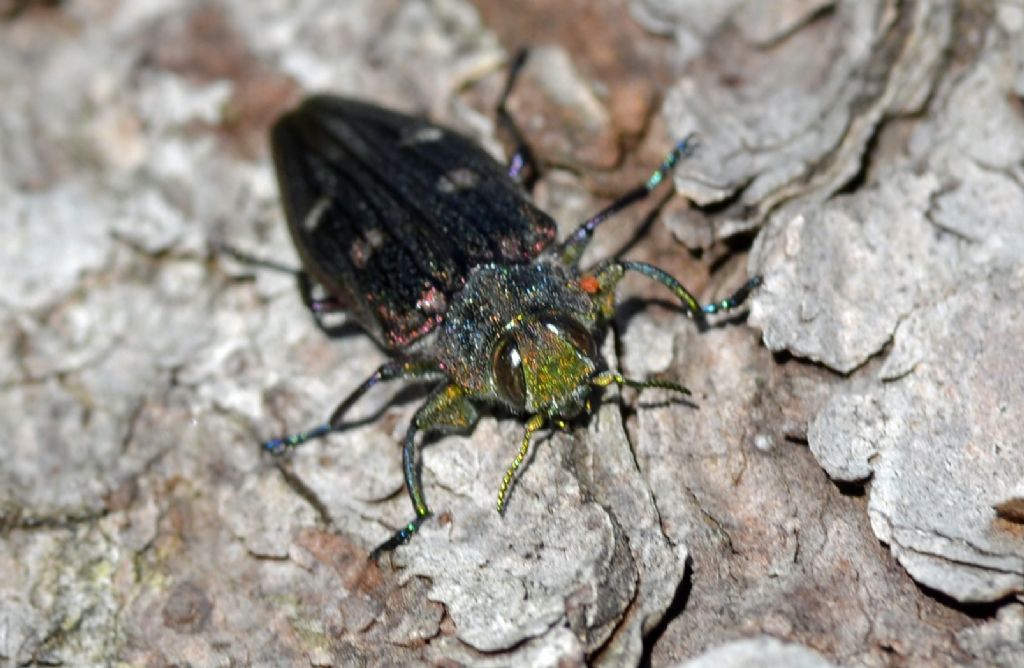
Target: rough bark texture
{"x": 846, "y": 486}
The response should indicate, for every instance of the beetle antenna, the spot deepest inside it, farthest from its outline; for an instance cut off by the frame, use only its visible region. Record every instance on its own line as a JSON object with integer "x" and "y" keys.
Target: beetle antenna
{"x": 535, "y": 423}
{"x": 606, "y": 378}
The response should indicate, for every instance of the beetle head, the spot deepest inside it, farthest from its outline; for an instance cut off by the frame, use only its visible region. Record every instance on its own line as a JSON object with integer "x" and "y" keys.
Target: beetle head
{"x": 543, "y": 364}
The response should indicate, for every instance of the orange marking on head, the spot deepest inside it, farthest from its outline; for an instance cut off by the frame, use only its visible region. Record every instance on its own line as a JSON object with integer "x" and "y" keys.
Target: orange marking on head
{"x": 590, "y": 284}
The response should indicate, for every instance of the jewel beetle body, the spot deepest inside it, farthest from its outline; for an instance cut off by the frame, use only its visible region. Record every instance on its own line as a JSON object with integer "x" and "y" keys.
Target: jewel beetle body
{"x": 435, "y": 249}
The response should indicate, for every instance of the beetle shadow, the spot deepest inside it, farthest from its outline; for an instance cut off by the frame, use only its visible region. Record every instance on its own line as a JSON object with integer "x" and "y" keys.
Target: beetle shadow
{"x": 644, "y": 228}
{"x": 631, "y": 306}
{"x": 666, "y": 403}
{"x": 544, "y": 437}
{"x": 405, "y": 395}
{"x": 599, "y": 397}
{"x": 631, "y": 407}
{"x": 536, "y": 444}
{"x": 583, "y": 421}
{"x": 335, "y": 323}
{"x": 343, "y": 329}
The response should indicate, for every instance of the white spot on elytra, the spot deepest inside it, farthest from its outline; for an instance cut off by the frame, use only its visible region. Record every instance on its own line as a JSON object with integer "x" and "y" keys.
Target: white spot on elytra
{"x": 361, "y": 250}
{"x": 316, "y": 214}
{"x": 421, "y": 135}
{"x": 457, "y": 180}
{"x": 375, "y": 237}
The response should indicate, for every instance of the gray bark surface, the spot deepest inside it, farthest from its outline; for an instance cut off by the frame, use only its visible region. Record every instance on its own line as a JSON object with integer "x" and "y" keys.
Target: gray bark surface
{"x": 844, "y": 487}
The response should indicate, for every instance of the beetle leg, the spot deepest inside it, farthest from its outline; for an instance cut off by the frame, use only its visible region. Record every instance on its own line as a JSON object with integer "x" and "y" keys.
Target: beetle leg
{"x": 318, "y": 305}
{"x": 522, "y": 166}
{"x": 608, "y": 276}
{"x": 392, "y": 370}
{"x": 572, "y": 248}
{"x": 252, "y": 260}
{"x": 693, "y": 307}
{"x": 322, "y": 306}
{"x": 447, "y": 410}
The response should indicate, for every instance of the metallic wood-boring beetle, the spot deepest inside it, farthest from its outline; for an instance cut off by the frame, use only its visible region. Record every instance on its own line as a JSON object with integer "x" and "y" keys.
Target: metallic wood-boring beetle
{"x": 433, "y": 247}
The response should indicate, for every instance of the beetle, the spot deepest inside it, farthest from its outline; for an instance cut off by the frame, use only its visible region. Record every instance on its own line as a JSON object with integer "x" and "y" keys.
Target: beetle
{"x": 435, "y": 249}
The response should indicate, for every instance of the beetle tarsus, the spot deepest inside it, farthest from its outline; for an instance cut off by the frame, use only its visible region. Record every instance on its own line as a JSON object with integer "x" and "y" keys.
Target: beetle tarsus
{"x": 400, "y": 537}
{"x": 736, "y": 299}
{"x": 522, "y": 165}
{"x": 281, "y": 446}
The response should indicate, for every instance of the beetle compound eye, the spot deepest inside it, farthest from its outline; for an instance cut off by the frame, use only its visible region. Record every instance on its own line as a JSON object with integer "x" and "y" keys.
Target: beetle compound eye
{"x": 508, "y": 372}
{"x": 572, "y": 331}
